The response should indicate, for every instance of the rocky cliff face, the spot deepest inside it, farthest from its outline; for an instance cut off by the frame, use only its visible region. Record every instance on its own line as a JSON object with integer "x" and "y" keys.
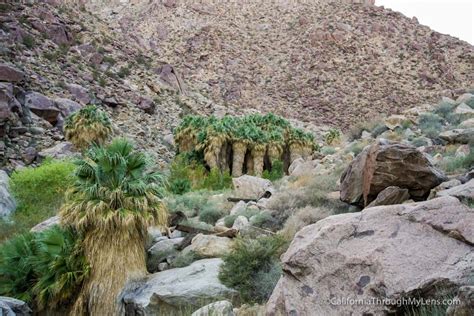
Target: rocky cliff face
{"x": 148, "y": 63}
{"x": 330, "y": 62}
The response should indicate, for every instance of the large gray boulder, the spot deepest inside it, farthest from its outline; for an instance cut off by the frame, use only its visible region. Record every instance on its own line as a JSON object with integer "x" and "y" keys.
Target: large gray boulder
{"x": 249, "y": 187}
{"x": 7, "y": 203}
{"x": 10, "y": 74}
{"x": 458, "y": 136}
{"x": 209, "y": 246}
{"x": 386, "y": 164}
{"x": 221, "y": 308}
{"x": 59, "y": 151}
{"x": 162, "y": 250}
{"x": 463, "y": 192}
{"x": 389, "y": 196}
{"x": 13, "y": 307}
{"x": 166, "y": 292}
{"x": 42, "y": 106}
{"x": 385, "y": 252}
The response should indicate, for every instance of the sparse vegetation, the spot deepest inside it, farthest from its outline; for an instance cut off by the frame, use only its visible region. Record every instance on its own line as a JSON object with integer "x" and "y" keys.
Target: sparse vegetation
{"x": 29, "y": 41}
{"x": 332, "y": 136}
{"x": 430, "y": 124}
{"x": 39, "y": 193}
{"x": 252, "y": 267}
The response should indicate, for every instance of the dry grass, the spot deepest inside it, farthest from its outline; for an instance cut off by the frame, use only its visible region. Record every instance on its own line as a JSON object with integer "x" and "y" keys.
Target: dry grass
{"x": 303, "y": 217}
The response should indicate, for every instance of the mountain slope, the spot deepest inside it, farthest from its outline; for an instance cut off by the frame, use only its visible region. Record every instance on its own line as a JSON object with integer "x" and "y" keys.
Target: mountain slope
{"x": 322, "y": 62}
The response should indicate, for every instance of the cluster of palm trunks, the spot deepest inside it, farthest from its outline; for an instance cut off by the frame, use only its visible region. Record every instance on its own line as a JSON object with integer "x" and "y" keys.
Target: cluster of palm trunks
{"x": 243, "y": 145}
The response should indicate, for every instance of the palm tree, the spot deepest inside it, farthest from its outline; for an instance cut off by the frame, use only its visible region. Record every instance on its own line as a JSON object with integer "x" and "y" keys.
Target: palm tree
{"x": 114, "y": 200}
{"x": 88, "y": 126}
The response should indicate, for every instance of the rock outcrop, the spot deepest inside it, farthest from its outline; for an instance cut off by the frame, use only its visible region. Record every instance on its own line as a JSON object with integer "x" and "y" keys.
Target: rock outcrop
{"x": 249, "y": 187}
{"x": 168, "y": 291}
{"x": 385, "y": 164}
{"x": 13, "y": 307}
{"x": 7, "y": 203}
{"x": 385, "y": 252}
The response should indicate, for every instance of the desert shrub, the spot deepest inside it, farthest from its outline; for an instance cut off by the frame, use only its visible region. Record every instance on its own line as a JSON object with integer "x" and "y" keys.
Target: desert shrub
{"x": 355, "y": 131}
{"x": 210, "y": 214}
{"x": 216, "y": 180}
{"x": 229, "y": 220}
{"x": 196, "y": 224}
{"x": 470, "y": 102}
{"x": 45, "y": 268}
{"x": 420, "y": 141}
{"x": 124, "y": 72}
{"x": 303, "y": 217}
{"x": 276, "y": 173}
{"x": 29, "y": 41}
{"x": 328, "y": 150}
{"x": 39, "y": 192}
{"x": 252, "y": 267}
{"x": 190, "y": 203}
{"x": 333, "y": 135}
{"x": 430, "y": 124}
{"x": 451, "y": 164}
{"x": 264, "y": 220}
{"x": 356, "y": 147}
{"x": 378, "y": 129}
{"x": 443, "y": 109}
{"x": 184, "y": 259}
{"x": 179, "y": 186}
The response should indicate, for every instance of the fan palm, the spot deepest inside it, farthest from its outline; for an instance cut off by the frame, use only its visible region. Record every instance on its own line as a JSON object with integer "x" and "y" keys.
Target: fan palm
{"x": 88, "y": 126}
{"x": 112, "y": 203}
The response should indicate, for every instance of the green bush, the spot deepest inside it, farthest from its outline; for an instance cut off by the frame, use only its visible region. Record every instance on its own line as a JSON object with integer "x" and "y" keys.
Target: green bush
{"x": 328, "y": 150}
{"x": 444, "y": 109}
{"x": 184, "y": 259}
{"x": 216, "y": 180}
{"x": 430, "y": 124}
{"x": 29, "y": 41}
{"x": 451, "y": 164}
{"x": 46, "y": 268}
{"x": 210, "y": 214}
{"x": 333, "y": 135}
{"x": 420, "y": 141}
{"x": 264, "y": 220}
{"x": 276, "y": 173}
{"x": 39, "y": 193}
{"x": 252, "y": 267}
{"x": 229, "y": 220}
{"x": 179, "y": 186}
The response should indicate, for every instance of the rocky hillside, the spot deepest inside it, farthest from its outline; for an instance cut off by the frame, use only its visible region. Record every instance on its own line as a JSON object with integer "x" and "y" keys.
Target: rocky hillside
{"x": 329, "y": 62}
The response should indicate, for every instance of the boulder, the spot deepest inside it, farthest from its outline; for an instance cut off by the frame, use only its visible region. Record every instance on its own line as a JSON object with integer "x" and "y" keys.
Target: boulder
{"x": 42, "y": 106}
{"x": 59, "y": 151}
{"x": 464, "y": 98}
{"x": 7, "y": 203}
{"x": 162, "y": 250}
{"x": 469, "y": 123}
{"x": 302, "y": 168}
{"x": 464, "y": 191}
{"x": 389, "y": 196}
{"x": 147, "y": 105}
{"x": 464, "y": 111}
{"x": 381, "y": 253}
{"x": 47, "y": 224}
{"x": 220, "y": 308}
{"x": 10, "y": 74}
{"x": 80, "y": 93}
{"x": 166, "y": 292}
{"x": 386, "y": 164}
{"x": 465, "y": 302}
{"x": 458, "y": 136}
{"x": 209, "y": 246}
{"x": 249, "y": 187}
{"x": 13, "y": 307}
{"x": 241, "y": 205}
{"x": 67, "y": 106}
{"x": 240, "y": 223}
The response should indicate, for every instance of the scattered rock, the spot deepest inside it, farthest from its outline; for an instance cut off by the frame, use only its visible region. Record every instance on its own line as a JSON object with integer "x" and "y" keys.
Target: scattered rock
{"x": 395, "y": 121}
{"x": 209, "y": 246}
{"x": 66, "y": 106}
{"x": 80, "y": 93}
{"x": 147, "y": 105}
{"x": 381, "y": 252}
{"x": 221, "y": 308}
{"x": 389, "y": 196}
{"x": 464, "y": 111}
{"x": 385, "y": 164}
{"x": 13, "y": 307}
{"x": 50, "y": 222}
{"x": 464, "y": 191}
{"x": 240, "y": 223}
{"x": 7, "y": 203}
{"x": 10, "y": 74}
{"x": 238, "y": 207}
{"x": 161, "y": 251}
{"x": 469, "y": 123}
{"x": 303, "y": 168}
{"x": 42, "y": 106}
{"x": 249, "y": 187}
{"x": 164, "y": 293}
{"x": 59, "y": 151}
{"x": 458, "y": 136}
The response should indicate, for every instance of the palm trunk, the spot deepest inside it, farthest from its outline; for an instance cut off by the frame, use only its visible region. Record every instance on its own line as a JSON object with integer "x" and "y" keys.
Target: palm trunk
{"x": 115, "y": 259}
{"x": 239, "y": 149}
{"x": 274, "y": 152}
{"x": 258, "y": 154}
{"x": 296, "y": 151}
